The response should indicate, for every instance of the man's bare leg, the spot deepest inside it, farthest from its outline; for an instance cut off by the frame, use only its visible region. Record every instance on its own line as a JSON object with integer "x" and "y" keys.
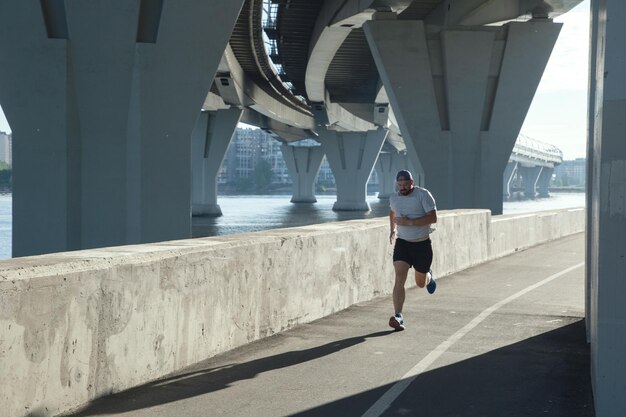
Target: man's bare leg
{"x": 425, "y": 280}
{"x": 402, "y": 270}
{"x": 421, "y": 279}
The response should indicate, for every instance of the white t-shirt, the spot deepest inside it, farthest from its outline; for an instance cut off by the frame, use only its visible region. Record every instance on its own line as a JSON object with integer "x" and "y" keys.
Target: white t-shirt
{"x": 414, "y": 205}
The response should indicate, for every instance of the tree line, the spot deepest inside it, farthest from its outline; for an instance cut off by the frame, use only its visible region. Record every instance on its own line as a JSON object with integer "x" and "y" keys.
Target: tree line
{"x": 5, "y": 177}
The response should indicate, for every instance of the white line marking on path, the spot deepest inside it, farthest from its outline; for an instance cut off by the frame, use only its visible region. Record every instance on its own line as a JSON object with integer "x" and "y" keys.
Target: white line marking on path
{"x": 394, "y": 392}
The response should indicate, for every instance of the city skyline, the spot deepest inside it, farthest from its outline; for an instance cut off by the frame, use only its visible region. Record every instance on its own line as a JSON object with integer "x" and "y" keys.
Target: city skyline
{"x": 558, "y": 113}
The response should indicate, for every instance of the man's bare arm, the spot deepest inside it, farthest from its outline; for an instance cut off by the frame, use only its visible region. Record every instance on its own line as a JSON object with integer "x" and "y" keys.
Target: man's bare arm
{"x": 392, "y": 225}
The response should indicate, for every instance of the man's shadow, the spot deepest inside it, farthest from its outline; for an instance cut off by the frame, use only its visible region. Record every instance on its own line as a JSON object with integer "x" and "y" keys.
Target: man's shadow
{"x": 191, "y": 384}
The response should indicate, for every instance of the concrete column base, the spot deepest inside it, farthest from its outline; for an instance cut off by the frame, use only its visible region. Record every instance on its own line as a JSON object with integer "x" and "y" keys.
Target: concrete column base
{"x": 303, "y": 200}
{"x": 213, "y": 210}
{"x": 351, "y": 156}
{"x": 210, "y": 139}
{"x": 303, "y": 164}
{"x": 351, "y": 206}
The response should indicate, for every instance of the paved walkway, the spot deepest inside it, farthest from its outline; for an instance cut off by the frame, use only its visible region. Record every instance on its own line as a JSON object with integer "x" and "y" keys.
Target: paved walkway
{"x": 506, "y": 338}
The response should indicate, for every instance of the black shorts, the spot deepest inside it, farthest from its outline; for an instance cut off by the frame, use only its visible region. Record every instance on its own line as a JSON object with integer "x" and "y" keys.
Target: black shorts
{"x": 419, "y": 255}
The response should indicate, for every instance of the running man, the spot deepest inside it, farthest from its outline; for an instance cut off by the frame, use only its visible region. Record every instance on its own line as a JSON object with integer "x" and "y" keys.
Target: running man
{"x": 412, "y": 212}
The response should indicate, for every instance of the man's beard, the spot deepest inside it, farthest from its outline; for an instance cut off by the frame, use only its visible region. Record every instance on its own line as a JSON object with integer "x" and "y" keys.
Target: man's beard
{"x": 406, "y": 191}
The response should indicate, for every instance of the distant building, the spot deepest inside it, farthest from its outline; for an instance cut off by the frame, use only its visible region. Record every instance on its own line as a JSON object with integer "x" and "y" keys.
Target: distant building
{"x": 249, "y": 146}
{"x": 5, "y": 148}
{"x": 571, "y": 173}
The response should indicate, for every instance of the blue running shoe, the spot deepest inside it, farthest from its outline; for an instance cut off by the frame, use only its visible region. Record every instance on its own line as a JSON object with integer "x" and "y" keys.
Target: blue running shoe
{"x": 432, "y": 285}
{"x": 397, "y": 322}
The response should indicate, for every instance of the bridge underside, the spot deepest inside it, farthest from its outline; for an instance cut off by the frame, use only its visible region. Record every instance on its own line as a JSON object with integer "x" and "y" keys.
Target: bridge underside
{"x": 106, "y": 147}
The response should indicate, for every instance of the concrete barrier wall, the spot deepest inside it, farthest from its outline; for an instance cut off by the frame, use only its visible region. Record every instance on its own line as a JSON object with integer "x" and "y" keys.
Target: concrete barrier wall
{"x": 511, "y": 233}
{"x": 75, "y": 326}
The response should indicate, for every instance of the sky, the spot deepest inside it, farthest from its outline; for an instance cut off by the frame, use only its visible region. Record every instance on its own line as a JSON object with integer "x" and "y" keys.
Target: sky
{"x": 558, "y": 113}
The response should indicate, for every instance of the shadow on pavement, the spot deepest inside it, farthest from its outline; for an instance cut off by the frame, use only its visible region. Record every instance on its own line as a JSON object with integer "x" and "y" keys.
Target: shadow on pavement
{"x": 204, "y": 381}
{"x": 546, "y": 375}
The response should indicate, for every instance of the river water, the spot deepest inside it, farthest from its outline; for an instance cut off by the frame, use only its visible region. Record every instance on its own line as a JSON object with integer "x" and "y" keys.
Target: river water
{"x": 253, "y": 213}
{"x": 6, "y": 211}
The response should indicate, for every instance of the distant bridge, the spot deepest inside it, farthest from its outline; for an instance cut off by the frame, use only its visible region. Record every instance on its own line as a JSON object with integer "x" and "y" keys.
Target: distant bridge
{"x": 534, "y": 162}
{"x": 532, "y": 152}
{"x": 531, "y": 160}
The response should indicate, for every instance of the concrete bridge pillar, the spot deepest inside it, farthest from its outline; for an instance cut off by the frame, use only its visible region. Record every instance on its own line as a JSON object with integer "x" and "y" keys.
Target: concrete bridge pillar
{"x": 209, "y": 141}
{"x": 303, "y": 163}
{"x": 351, "y": 156}
{"x": 530, "y": 176}
{"x": 462, "y": 103}
{"x": 384, "y": 170}
{"x": 543, "y": 183}
{"x": 387, "y": 166}
{"x": 102, "y": 97}
{"x": 509, "y": 172}
{"x": 606, "y": 231}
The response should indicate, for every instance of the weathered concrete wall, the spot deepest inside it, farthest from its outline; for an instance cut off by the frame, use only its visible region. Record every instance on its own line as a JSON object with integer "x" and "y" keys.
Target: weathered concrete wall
{"x": 511, "y": 233}
{"x": 78, "y": 325}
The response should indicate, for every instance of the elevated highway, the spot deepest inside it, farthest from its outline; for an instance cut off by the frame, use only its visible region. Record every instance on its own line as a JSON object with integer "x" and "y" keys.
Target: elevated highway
{"x": 129, "y": 147}
{"x": 321, "y": 54}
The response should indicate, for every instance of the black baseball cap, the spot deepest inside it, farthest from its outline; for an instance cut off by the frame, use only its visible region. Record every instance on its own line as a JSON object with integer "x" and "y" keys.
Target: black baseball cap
{"x": 404, "y": 175}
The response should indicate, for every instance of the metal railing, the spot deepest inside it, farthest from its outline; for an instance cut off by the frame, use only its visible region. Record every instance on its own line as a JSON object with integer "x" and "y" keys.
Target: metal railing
{"x": 270, "y": 38}
{"x": 535, "y": 149}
